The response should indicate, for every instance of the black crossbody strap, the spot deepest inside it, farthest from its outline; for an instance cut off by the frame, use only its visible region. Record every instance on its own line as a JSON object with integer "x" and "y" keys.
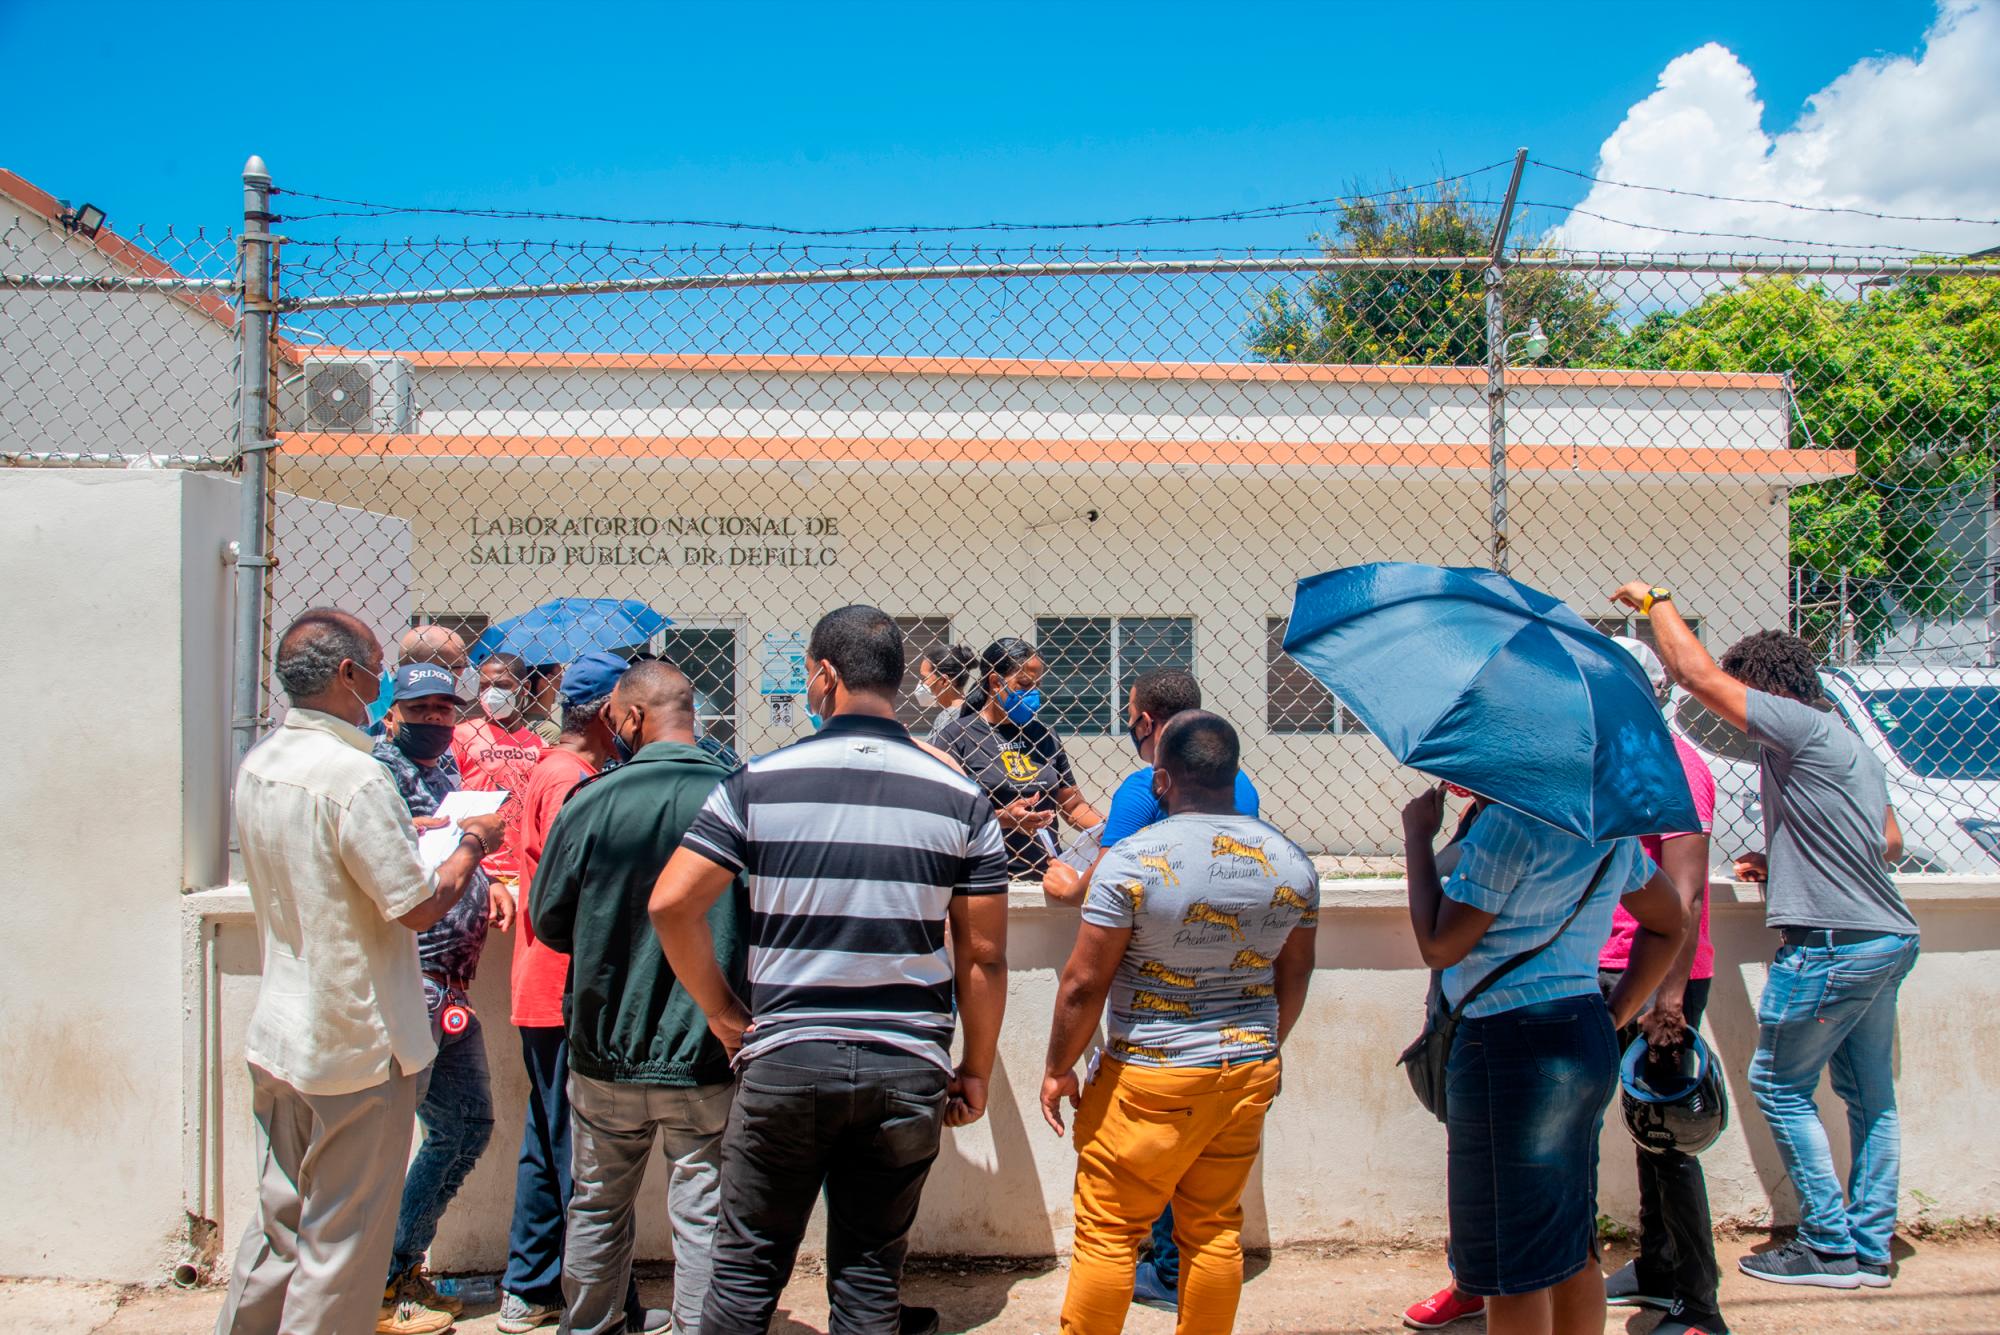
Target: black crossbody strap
{"x": 1458, "y": 1011}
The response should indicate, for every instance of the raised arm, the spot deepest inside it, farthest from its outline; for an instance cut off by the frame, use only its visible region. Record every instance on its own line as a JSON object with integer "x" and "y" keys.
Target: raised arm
{"x": 1686, "y": 661}
{"x": 1446, "y": 930}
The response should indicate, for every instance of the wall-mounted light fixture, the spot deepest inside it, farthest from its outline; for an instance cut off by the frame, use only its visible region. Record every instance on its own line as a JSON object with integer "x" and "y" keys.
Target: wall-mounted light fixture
{"x": 86, "y": 219}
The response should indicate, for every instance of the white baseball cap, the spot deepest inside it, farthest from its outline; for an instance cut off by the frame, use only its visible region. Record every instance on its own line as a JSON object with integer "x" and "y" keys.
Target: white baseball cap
{"x": 1649, "y": 662}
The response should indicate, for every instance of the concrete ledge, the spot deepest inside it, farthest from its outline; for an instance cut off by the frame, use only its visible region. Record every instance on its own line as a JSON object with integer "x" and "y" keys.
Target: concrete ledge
{"x": 231, "y": 903}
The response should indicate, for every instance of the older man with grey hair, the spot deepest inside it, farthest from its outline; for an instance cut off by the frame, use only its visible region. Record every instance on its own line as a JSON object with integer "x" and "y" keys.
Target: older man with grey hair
{"x": 339, "y": 1043}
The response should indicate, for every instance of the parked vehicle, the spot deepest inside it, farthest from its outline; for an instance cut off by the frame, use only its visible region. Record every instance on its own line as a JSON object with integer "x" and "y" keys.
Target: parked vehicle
{"x": 1937, "y": 731}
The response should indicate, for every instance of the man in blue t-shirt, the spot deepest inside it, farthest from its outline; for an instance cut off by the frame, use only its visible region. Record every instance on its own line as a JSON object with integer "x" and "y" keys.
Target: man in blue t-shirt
{"x": 1156, "y": 697}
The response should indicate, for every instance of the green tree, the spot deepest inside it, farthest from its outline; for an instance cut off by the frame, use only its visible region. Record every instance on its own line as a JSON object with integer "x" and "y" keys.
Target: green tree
{"x": 1908, "y": 377}
{"x": 1419, "y": 316}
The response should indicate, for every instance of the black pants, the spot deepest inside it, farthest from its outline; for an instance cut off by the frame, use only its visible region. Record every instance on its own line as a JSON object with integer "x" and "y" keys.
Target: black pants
{"x": 858, "y": 1121}
{"x": 1676, "y": 1237}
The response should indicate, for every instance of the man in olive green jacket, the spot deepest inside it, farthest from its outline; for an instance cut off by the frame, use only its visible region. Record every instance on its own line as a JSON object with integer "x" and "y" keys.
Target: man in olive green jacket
{"x": 642, "y": 1062}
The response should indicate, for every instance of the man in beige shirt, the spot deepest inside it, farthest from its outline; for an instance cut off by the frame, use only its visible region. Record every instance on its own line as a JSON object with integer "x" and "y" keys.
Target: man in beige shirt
{"x": 341, "y": 1041}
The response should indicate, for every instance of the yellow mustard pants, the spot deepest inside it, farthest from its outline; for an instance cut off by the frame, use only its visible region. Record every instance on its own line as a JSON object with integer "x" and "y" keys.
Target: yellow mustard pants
{"x": 1147, "y": 1136}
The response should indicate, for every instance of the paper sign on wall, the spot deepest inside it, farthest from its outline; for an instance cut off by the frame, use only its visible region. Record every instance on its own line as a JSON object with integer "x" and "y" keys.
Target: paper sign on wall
{"x": 784, "y": 663}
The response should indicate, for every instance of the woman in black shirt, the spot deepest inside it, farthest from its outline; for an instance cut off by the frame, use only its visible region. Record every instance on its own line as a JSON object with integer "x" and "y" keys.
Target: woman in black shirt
{"x": 1014, "y": 756}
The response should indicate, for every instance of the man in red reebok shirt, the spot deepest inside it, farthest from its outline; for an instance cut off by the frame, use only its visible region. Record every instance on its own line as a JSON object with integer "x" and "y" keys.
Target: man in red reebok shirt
{"x": 496, "y": 750}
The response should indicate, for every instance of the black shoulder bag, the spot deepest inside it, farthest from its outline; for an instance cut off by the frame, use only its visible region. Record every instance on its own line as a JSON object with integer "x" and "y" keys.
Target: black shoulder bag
{"x": 1424, "y": 1060}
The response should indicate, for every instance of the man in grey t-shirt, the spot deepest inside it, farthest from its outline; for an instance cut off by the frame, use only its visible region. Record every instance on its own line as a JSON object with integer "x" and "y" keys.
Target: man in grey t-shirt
{"x": 1848, "y": 941}
{"x": 1200, "y": 931}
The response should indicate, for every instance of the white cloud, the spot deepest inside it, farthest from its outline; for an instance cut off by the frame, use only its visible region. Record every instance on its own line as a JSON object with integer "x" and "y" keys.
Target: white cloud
{"x": 1902, "y": 134}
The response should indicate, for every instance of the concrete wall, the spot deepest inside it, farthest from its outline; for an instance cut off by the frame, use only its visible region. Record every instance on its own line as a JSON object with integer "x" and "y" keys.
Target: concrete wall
{"x": 116, "y": 607}
{"x": 1348, "y": 1153}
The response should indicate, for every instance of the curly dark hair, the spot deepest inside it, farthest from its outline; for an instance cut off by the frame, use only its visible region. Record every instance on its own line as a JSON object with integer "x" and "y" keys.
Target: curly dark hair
{"x": 1776, "y": 663}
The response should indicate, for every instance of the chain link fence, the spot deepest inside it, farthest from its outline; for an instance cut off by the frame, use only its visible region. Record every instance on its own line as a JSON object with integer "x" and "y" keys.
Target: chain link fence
{"x": 1126, "y": 458}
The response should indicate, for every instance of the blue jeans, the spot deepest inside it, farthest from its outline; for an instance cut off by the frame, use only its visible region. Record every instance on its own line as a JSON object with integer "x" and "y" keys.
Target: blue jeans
{"x": 1834, "y": 1007}
{"x": 1164, "y": 1255}
{"x": 457, "y": 1117}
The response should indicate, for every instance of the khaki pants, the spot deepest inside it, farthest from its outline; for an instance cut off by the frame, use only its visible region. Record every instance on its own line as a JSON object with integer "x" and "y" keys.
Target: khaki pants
{"x": 613, "y": 1128}
{"x": 329, "y": 1179}
{"x": 1148, "y": 1137}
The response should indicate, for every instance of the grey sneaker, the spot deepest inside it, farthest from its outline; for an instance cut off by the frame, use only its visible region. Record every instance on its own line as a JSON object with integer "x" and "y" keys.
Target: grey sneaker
{"x": 518, "y": 1315}
{"x": 1796, "y": 1263}
{"x": 1874, "y": 1274}
{"x": 1622, "y": 1286}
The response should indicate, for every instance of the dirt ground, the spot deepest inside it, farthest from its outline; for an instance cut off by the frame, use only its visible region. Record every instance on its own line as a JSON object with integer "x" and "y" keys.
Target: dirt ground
{"x": 1941, "y": 1288}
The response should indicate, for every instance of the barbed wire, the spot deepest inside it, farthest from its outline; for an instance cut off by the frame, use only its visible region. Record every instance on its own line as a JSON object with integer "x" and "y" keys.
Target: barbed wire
{"x": 1769, "y": 203}
{"x": 1837, "y": 246}
{"x": 359, "y": 208}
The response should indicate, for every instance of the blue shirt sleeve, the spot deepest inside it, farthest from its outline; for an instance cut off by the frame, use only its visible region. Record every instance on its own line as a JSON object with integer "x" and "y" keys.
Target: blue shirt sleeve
{"x": 1133, "y": 808}
{"x": 1246, "y": 795}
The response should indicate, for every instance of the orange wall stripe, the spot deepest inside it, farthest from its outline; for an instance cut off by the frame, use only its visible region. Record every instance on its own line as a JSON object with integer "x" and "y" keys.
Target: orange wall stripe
{"x": 1212, "y": 454}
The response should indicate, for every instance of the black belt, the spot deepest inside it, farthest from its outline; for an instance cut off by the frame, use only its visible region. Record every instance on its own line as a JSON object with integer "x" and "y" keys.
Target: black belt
{"x": 447, "y": 981}
{"x": 1829, "y": 936}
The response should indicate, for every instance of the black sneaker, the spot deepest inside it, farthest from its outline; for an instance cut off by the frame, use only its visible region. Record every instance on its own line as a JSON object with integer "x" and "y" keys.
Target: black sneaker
{"x": 1688, "y": 1325}
{"x": 1684, "y": 1320}
{"x": 1796, "y": 1263}
{"x": 917, "y": 1321}
{"x": 1874, "y": 1274}
{"x": 1622, "y": 1286}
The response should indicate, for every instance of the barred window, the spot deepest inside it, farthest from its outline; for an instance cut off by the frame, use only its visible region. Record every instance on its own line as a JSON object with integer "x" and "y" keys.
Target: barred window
{"x": 707, "y": 654}
{"x": 1294, "y": 701}
{"x": 923, "y": 636}
{"x": 1093, "y": 661}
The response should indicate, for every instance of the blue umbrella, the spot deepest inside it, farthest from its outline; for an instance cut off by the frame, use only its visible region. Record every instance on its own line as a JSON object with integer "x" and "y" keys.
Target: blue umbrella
{"x": 1499, "y": 688}
{"x": 566, "y": 629}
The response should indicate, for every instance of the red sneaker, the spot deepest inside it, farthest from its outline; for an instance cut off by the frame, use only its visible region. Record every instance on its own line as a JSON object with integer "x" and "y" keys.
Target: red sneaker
{"x": 1442, "y": 1308}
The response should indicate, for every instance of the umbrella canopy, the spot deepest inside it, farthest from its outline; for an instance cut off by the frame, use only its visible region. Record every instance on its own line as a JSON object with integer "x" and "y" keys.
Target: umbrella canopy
{"x": 1499, "y": 688}
{"x": 566, "y": 629}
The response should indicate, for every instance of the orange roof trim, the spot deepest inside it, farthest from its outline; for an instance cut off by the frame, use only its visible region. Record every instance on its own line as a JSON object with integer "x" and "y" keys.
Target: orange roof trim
{"x": 1270, "y": 372}
{"x": 1775, "y": 465}
{"x": 117, "y": 249}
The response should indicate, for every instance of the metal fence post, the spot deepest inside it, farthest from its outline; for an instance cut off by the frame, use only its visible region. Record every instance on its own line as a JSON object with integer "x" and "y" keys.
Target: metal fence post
{"x": 1496, "y": 367}
{"x": 253, "y": 446}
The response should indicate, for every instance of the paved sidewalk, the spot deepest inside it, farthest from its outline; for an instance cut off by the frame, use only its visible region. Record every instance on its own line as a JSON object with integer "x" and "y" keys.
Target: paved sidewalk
{"x": 1941, "y": 1289}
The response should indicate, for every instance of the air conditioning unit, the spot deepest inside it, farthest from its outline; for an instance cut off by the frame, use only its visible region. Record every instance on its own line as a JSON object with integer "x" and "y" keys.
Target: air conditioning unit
{"x": 375, "y": 395}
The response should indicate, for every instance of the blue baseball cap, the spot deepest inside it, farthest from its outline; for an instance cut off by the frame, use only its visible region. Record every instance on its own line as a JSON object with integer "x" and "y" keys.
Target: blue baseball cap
{"x": 419, "y": 681}
{"x": 591, "y": 677}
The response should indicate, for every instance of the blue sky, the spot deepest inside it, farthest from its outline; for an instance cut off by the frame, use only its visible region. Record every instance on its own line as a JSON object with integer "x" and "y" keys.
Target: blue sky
{"x": 835, "y": 115}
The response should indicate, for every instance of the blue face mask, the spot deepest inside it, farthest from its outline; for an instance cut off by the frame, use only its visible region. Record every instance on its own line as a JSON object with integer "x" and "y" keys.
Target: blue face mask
{"x": 378, "y": 709}
{"x": 1020, "y": 706}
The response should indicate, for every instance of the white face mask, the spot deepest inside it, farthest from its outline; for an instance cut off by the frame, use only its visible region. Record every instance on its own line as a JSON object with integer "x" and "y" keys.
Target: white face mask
{"x": 925, "y": 693}
{"x": 468, "y": 685}
{"x": 497, "y": 701}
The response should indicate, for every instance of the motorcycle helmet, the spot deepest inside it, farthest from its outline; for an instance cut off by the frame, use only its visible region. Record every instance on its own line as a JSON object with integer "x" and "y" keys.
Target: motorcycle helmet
{"x": 1684, "y": 1108}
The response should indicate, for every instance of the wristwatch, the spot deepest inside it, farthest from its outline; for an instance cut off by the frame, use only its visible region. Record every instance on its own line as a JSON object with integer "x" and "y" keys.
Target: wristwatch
{"x": 1656, "y": 594}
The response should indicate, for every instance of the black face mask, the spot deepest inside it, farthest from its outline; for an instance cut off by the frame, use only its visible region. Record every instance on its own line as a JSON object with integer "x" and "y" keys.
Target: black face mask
{"x": 423, "y": 742}
{"x": 1138, "y": 742}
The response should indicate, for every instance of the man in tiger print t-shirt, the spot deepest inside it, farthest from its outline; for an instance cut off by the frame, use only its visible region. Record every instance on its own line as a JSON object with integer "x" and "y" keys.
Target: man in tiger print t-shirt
{"x": 1199, "y": 931}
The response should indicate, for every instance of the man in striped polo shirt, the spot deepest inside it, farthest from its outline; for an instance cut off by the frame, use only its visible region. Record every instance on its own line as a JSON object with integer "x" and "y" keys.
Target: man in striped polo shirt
{"x": 860, "y": 851}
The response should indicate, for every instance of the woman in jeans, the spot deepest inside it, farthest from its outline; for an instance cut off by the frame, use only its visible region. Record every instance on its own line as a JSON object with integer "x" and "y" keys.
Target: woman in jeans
{"x": 1535, "y": 1060}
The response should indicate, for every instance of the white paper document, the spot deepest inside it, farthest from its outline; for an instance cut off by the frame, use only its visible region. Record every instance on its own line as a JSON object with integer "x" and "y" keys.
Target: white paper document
{"x": 1084, "y": 851}
{"x": 434, "y": 846}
